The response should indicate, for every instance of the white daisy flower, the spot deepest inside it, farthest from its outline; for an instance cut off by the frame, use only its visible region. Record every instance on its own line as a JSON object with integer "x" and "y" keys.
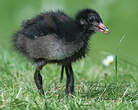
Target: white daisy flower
{"x": 108, "y": 60}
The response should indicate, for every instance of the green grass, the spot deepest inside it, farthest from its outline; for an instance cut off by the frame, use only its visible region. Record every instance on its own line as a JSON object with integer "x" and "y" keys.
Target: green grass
{"x": 95, "y": 85}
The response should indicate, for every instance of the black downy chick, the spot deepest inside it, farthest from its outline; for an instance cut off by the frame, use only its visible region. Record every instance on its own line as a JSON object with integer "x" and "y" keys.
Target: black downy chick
{"x": 54, "y": 37}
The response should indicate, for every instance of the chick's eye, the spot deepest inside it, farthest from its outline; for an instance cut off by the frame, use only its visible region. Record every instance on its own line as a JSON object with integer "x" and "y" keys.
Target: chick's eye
{"x": 91, "y": 19}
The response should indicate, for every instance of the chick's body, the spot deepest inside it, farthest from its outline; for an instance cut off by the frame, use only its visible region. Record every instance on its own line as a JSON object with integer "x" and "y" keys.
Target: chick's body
{"x": 52, "y": 37}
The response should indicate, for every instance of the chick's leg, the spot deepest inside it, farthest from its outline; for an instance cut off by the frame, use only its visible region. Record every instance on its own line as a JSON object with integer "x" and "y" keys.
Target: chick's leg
{"x": 38, "y": 77}
{"x": 62, "y": 73}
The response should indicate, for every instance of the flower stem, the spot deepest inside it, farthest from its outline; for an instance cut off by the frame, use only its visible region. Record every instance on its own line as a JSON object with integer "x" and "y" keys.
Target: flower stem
{"x": 116, "y": 58}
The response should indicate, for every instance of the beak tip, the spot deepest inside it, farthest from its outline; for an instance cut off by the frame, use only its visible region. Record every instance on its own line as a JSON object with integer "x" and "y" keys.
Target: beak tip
{"x": 106, "y": 31}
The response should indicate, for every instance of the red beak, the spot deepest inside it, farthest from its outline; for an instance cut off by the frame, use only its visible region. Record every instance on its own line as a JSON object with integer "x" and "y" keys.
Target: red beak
{"x": 102, "y": 28}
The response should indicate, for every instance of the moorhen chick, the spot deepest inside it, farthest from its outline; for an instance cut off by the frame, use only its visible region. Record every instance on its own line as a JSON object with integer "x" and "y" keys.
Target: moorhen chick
{"x": 54, "y": 37}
